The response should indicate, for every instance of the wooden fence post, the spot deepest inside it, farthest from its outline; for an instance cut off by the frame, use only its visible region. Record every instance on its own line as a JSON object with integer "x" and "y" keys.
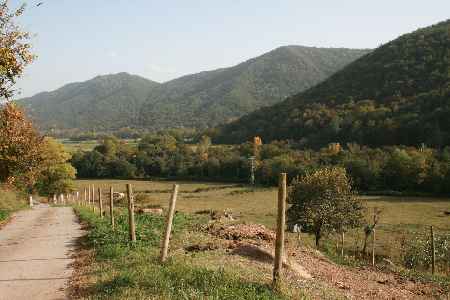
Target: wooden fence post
{"x": 89, "y": 194}
{"x": 100, "y": 202}
{"x": 131, "y": 224}
{"x": 111, "y": 206}
{"x": 85, "y": 197}
{"x": 169, "y": 220}
{"x": 373, "y": 239}
{"x": 30, "y": 200}
{"x": 281, "y": 220}
{"x": 342, "y": 243}
{"x": 93, "y": 198}
{"x": 433, "y": 252}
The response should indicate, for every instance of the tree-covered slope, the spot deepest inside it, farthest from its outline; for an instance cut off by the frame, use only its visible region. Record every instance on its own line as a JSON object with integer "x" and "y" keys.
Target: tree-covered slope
{"x": 198, "y": 100}
{"x": 397, "y": 94}
{"x": 104, "y": 102}
{"x": 214, "y": 97}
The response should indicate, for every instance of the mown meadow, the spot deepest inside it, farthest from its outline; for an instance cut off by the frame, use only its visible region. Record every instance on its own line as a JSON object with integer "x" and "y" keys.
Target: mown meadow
{"x": 401, "y": 219}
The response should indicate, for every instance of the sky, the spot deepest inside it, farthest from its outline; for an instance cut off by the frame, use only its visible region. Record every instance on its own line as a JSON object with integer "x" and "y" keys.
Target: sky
{"x": 76, "y": 40}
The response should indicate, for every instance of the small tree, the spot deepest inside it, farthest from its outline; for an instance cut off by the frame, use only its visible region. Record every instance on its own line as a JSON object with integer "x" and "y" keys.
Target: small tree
{"x": 56, "y": 176}
{"x": 323, "y": 201}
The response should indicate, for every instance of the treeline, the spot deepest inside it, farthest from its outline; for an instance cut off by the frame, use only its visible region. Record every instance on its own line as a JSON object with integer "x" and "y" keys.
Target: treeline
{"x": 393, "y": 168}
{"x": 78, "y": 135}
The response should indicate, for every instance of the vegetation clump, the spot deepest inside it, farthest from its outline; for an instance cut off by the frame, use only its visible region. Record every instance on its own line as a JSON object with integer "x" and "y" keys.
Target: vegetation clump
{"x": 323, "y": 202}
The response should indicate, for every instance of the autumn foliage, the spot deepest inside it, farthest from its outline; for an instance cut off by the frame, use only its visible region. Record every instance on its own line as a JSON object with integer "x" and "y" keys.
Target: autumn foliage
{"x": 15, "y": 51}
{"x": 20, "y": 147}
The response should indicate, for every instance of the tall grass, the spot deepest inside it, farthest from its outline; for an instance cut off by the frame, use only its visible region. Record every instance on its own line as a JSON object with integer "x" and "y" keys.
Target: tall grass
{"x": 10, "y": 201}
{"x": 125, "y": 271}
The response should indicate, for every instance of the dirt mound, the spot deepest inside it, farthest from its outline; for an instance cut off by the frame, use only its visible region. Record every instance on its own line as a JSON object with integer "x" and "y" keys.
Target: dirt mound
{"x": 265, "y": 255}
{"x": 240, "y": 232}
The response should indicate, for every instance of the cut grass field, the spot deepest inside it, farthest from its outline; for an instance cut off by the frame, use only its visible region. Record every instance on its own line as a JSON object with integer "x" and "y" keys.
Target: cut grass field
{"x": 401, "y": 217}
{"x": 75, "y": 146}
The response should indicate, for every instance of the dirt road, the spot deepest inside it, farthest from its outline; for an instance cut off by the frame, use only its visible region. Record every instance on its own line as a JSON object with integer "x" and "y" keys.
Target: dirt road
{"x": 35, "y": 251}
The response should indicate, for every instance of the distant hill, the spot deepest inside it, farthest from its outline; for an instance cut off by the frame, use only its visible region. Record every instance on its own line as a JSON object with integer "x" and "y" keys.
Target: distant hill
{"x": 397, "y": 94}
{"x": 198, "y": 100}
{"x": 210, "y": 98}
{"x": 104, "y": 102}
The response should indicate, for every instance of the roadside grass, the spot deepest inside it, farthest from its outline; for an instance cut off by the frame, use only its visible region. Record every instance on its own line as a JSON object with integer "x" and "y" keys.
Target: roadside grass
{"x": 401, "y": 217}
{"x": 125, "y": 271}
{"x": 10, "y": 202}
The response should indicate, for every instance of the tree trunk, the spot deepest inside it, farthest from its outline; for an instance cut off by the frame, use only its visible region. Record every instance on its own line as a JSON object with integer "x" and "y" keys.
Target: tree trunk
{"x": 363, "y": 251}
{"x": 317, "y": 234}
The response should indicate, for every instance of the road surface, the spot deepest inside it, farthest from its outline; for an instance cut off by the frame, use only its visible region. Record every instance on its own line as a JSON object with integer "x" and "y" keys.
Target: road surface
{"x": 35, "y": 253}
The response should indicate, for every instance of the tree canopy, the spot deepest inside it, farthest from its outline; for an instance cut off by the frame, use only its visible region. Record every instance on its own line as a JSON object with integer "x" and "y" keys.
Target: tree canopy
{"x": 323, "y": 201}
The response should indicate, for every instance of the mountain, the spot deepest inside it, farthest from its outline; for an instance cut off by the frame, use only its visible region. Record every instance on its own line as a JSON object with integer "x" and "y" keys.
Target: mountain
{"x": 397, "y": 94}
{"x": 198, "y": 100}
{"x": 104, "y": 102}
{"x": 210, "y": 98}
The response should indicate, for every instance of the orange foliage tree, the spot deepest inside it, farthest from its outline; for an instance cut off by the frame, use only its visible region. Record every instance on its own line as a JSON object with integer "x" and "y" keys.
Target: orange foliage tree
{"x": 15, "y": 48}
{"x": 20, "y": 148}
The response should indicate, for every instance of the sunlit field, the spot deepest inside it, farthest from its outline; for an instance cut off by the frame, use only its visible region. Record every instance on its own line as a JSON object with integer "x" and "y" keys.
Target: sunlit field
{"x": 400, "y": 218}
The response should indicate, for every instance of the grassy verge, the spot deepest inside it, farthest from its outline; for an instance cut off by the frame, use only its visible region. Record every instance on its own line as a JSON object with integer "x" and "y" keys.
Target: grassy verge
{"x": 124, "y": 271}
{"x": 10, "y": 202}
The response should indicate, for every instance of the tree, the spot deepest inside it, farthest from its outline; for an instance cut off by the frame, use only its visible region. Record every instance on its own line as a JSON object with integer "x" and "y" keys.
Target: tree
{"x": 57, "y": 174}
{"x": 14, "y": 49}
{"x": 20, "y": 148}
{"x": 323, "y": 201}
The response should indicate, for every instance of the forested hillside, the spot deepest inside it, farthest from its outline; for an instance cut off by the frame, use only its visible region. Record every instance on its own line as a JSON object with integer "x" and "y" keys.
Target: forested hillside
{"x": 104, "y": 102}
{"x": 211, "y": 98}
{"x": 398, "y": 94}
{"x": 199, "y": 100}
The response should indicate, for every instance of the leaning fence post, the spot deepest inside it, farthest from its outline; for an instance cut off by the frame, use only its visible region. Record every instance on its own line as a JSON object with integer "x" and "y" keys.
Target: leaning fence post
{"x": 111, "y": 206}
{"x": 279, "y": 243}
{"x": 100, "y": 202}
{"x": 131, "y": 224}
{"x": 169, "y": 220}
{"x": 433, "y": 252}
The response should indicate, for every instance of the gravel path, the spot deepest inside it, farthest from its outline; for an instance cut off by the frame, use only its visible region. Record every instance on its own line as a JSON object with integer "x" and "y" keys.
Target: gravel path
{"x": 35, "y": 253}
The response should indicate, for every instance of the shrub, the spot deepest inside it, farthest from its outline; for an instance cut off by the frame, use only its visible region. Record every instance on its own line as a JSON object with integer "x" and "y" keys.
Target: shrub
{"x": 323, "y": 201}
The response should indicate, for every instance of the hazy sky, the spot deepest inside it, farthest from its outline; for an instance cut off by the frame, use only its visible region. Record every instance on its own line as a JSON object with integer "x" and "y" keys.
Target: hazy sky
{"x": 76, "y": 40}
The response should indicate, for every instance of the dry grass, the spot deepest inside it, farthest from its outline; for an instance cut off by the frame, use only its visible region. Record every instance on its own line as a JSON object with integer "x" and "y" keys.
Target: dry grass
{"x": 10, "y": 201}
{"x": 401, "y": 217}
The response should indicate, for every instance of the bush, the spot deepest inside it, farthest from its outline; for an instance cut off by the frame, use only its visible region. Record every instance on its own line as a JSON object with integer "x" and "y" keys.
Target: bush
{"x": 417, "y": 251}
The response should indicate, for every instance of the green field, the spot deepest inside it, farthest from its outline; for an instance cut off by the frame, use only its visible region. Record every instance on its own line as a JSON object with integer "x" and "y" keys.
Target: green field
{"x": 74, "y": 146}
{"x": 401, "y": 217}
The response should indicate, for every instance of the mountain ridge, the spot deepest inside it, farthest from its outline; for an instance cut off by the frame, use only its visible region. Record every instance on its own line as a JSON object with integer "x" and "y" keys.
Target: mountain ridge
{"x": 199, "y": 100}
{"x": 396, "y": 94}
